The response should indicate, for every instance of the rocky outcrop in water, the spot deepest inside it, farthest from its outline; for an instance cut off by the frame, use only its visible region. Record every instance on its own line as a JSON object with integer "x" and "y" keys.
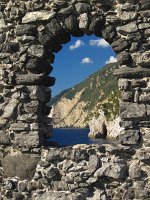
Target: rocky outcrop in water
{"x": 100, "y": 128}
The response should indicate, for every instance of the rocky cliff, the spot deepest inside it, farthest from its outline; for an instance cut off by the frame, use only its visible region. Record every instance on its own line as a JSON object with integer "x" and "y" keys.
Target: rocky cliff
{"x": 88, "y": 101}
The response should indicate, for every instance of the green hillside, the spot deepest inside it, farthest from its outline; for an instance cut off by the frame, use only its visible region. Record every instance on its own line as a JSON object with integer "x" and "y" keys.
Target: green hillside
{"x": 100, "y": 91}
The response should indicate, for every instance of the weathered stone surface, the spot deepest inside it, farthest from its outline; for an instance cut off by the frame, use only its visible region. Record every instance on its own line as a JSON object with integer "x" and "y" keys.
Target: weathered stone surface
{"x": 39, "y": 66}
{"x": 120, "y": 45}
{"x": 129, "y": 137}
{"x": 72, "y": 26}
{"x": 52, "y": 173}
{"x": 67, "y": 11}
{"x": 148, "y": 110}
{"x": 20, "y": 127}
{"x": 115, "y": 169}
{"x": 82, "y": 7}
{"x": 22, "y": 186}
{"x": 127, "y": 16}
{"x": 4, "y": 138}
{"x": 10, "y": 109}
{"x": 144, "y": 98}
{"x": 142, "y": 155}
{"x": 36, "y": 50}
{"x": 128, "y": 72}
{"x": 94, "y": 163}
{"x": 59, "y": 196}
{"x": 48, "y": 41}
{"x": 127, "y": 96}
{"x": 127, "y": 124}
{"x": 28, "y": 140}
{"x": 145, "y": 4}
{"x": 34, "y": 79}
{"x": 141, "y": 191}
{"x": 124, "y": 58}
{"x": 132, "y": 110}
{"x": 38, "y": 16}
{"x": 83, "y": 21}
{"x": 144, "y": 26}
{"x": 123, "y": 84}
{"x": 109, "y": 34}
{"x": 26, "y": 39}
{"x": 58, "y": 31}
{"x": 135, "y": 171}
{"x": 129, "y": 28}
{"x": 21, "y": 165}
{"x": 142, "y": 59}
{"x": 97, "y": 25}
{"x": 27, "y": 29}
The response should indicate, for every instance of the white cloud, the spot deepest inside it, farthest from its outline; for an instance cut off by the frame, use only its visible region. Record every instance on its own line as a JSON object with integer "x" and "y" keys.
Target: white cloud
{"x": 112, "y": 59}
{"x": 99, "y": 43}
{"x": 76, "y": 45}
{"x": 86, "y": 60}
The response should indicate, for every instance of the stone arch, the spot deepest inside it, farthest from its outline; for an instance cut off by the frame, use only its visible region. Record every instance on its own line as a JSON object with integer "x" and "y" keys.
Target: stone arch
{"x": 30, "y": 31}
{"x": 30, "y": 34}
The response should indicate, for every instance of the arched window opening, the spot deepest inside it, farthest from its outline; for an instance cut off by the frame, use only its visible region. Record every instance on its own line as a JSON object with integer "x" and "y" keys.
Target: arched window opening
{"x": 85, "y": 97}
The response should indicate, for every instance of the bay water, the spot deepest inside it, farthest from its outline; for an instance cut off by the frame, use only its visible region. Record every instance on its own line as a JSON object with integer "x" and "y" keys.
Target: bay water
{"x": 72, "y": 136}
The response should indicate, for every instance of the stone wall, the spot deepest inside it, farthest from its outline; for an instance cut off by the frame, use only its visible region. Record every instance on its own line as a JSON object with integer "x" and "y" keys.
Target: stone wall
{"x": 92, "y": 172}
{"x": 31, "y": 32}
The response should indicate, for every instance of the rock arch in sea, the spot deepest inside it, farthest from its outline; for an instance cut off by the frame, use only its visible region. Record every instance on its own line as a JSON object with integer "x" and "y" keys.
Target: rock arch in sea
{"x": 30, "y": 33}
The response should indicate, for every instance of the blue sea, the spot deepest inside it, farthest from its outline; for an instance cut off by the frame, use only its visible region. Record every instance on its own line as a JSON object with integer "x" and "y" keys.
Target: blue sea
{"x": 73, "y": 136}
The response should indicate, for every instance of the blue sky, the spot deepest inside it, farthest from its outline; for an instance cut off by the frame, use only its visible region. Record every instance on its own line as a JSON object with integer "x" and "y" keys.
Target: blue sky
{"x": 78, "y": 59}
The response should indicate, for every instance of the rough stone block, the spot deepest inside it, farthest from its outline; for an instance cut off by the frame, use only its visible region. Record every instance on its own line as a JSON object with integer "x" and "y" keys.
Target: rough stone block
{"x": 128, "y": 124}
{"x": 129, "y": 137}
{"x": 10, "y": 109}
{"x": 120, "y": 45}
{"x": 36, "y": 51}
{"x": 128, "y": 28}
{"x": 20, "y": 127}
{"x": 145, "y": 98}
{"x": 28, "y": 140}
{"x": 38, "y": 16}
{"x": 109, "y": 34}
{"x": 72, "y": 26}
{"x": 148, "y": 109}
{"x": 132, "y": 110}
{"x": 123, "y": 84}
{"x": 3, "y": 122}
{"x": 145, "y": 4}
{"x": 124, "y": 58}
{"x": 138, "y": 83}
{"x": 27, "y": 29}
{"x": 97, "y": 25}
{"x": 143, "y": 155}
{"x": 82, "y": 7}
{"x": 142, "y": 59}
{"x": 58, "y": 31}
{"x": 127, "y": 16}
{"x": 20, "y": 165}
{"x": 127, "y": 96}
{"x": 94, "y": 163}
{"x": 144, "y": 26}
{"x": 32, "y": 107}
{"x": 135, "y": 172}
{"x": 128, "y": 72}
{"x": 48, "y": 41}
{"x": 4, "y": 138}
{"x": 115, "y": 168}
